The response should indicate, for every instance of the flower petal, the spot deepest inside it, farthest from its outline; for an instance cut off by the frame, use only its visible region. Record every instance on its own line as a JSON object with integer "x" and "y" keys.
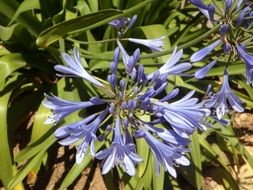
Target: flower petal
{"x": 201, "y": 54}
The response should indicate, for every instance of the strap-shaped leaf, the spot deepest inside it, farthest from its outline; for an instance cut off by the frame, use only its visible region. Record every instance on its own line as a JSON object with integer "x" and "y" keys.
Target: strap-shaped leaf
{"x": 25, "y": 6}
{"x": 78, "y": 24}
{"x": 196, "y": 159}
{"x": 10, "y": 63}
{"x": 6, "y": 171}
{"x": 6, "y": 32}
{"x": 27, "y": 168}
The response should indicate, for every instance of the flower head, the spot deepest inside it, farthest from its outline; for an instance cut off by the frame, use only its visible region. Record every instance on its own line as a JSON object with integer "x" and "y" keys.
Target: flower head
{"x": 131, "y": 96}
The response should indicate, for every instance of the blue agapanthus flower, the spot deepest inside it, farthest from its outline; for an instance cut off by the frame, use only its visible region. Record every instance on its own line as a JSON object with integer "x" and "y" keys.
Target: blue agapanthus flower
{"x": 248, "y": 60}
{"x": 219, "y": 101}
{"x": 128, "y": 98}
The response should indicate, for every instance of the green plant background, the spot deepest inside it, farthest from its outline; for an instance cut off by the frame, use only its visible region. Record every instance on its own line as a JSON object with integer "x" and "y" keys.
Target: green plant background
{"x": 34, "y": 33}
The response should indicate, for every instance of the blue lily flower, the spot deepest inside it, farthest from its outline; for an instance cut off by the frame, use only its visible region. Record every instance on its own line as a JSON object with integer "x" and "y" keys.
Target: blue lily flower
{"x": 61, "y": 108}
{"x": 219, "y": 100}
{"x": 119, "y": 153}
{"x": 201, "y": 54}
{"x": 201, "y": 73}
{"x": 75, "y": 68}
{"x": 154, "y": 44}
{"x": 167, "y": 155}
{"x": 84, "y": 130}
{"x": 184, "y": 115}
{"x": 248, "y": 60}
{"x": 170, "y": 67}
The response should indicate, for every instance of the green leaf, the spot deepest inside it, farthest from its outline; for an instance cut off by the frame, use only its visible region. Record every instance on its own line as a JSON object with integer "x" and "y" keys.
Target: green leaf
{"x": 247, "y": 87}
{"x": 83, "y": 7}
{"x": 93, "y": 47}
{"x": 6, "y": 32}
{"x": 214, "y": 154}
{"x": 180, "y": 82}
{"x": 22, "y": 106}
{"x": 25, "y": 6}
{"x": 228, "y": 133}
{"x": 10, "y": 63}
{"x": 6, "y": 171}
{"x": 26, "y": 19}
{"x": 147, "y": 177}
{"x": 232, "y": 70}
{"x": 158, "y": 181}
{"x": 93, "y": 4}
{"x": 39, "y": 128}
{"x": 82, "y": 23}
{"x": 27, "y": 168}
{"x": 143, "y": 151}
{"x": 40, "y": 145}
{"x": 196, "y": 159}
{"x": 75, "y": 171}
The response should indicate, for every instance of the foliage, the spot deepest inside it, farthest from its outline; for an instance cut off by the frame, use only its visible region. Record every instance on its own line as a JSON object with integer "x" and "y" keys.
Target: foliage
{"x": 33, "y": 35}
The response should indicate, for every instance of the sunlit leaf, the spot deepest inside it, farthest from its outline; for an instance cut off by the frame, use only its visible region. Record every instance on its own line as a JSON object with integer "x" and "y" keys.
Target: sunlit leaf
{"x": 25, "y": 6}
{"x": 82, "y": 23}
{"x": 6, "y": 32}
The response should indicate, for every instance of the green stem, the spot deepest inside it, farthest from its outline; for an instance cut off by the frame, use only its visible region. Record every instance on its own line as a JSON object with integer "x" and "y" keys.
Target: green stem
{"x": 158, "y": 54}
{"x": 95, "y": 42}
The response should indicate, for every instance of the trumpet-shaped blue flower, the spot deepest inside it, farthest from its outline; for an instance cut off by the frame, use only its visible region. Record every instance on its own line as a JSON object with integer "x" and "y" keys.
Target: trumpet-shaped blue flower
{"x": 248, "y": 60}
{"x": 84, "y": 130}
{"x": 219, "y": 100}
{"x": 120, "y": 153}
{"x": 154, "y": 44}
{"x": 207, "y": 10}
{"x": 201, "y": 73}
{"x": 129, "y": 61}
{"x": 201, "y": 54}
{"x": 184, "y": 115}
{"x": 170, "y": 67}
{"x": 75, "y": 68}
{"x": 166, "y": 154}
{"x": 61, "y": 108}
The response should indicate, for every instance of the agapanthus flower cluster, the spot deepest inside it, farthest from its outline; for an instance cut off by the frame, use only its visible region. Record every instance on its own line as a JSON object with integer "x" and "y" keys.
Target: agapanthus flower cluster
{"x": 119, "y": 121}
{"x": 236, "y": 22}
